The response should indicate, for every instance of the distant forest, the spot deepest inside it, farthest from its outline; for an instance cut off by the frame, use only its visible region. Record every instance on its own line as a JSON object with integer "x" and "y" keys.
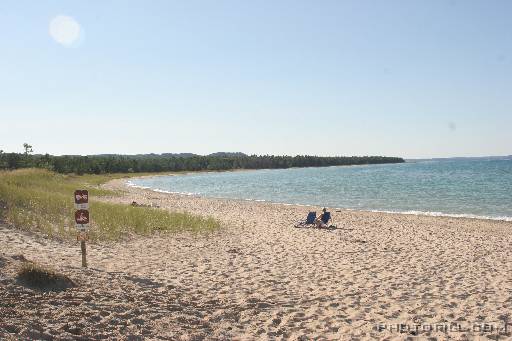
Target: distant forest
{"x": 112, "y": 163}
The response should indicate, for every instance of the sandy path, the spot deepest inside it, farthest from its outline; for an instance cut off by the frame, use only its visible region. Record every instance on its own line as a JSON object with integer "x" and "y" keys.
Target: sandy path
{"x": 260, "y": 278}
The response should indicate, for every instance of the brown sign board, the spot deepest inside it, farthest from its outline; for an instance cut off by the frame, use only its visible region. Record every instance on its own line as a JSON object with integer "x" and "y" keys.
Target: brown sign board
{"x": 82, "y": 236}
{"x": 82, "y": 219}
{"x": 81, "y": 199}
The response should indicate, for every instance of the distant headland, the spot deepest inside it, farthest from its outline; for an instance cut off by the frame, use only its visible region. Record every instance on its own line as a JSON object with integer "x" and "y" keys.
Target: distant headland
{"x": 176, "y": 162}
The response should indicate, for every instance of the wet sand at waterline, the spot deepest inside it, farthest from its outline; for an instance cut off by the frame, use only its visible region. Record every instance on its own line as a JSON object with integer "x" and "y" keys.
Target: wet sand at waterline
{"x": 258, "y": 277}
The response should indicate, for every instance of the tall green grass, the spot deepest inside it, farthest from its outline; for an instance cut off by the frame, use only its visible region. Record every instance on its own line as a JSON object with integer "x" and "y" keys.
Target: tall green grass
{"x": 35, "y": 198}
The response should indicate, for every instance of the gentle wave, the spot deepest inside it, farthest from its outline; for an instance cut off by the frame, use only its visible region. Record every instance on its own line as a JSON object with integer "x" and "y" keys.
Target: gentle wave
{"x": 441, "y": 214}
{"x": 131, "y": 184}
{"x": 416, "y": 213}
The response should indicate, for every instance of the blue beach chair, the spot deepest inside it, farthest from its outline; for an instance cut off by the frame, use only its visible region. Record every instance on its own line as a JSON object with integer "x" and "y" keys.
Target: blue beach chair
{"x": 308, "y": 222}
{"x": 326, "y": 218}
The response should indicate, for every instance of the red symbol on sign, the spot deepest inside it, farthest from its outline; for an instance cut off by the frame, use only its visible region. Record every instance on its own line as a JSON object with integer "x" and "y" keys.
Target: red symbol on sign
{"x": 82, "y": 217}
{"x": 81, "y": 197}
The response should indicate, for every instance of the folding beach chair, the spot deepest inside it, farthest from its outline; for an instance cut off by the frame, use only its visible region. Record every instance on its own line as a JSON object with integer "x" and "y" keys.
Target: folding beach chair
{"x": 308, "y": 222}
{"x": 326, "y": 218}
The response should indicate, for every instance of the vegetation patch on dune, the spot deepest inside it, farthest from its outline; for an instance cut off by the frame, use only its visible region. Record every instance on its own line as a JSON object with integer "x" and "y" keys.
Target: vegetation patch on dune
{"x": 39, "y": 277}
{"x": 41, "y": 199}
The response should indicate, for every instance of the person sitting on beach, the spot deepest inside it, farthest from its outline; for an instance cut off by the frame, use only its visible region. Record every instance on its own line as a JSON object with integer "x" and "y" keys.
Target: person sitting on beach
{"x": 323, "y": 219}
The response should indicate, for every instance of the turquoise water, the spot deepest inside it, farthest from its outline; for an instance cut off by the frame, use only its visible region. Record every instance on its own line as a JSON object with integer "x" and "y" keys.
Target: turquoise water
{"x": 472, "y": 188}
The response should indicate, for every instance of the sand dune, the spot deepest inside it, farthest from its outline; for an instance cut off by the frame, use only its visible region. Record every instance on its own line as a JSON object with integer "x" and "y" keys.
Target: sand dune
{"x": 260, "y": 278}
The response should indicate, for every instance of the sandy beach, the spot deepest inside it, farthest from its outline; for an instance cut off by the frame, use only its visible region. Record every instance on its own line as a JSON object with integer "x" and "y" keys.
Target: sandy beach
{"x": 259, "y": 278}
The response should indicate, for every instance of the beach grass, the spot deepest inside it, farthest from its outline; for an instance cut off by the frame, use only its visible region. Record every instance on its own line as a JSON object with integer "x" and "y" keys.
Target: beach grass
{"x": 43, "y": 200}
{"x": 41, "y": 277}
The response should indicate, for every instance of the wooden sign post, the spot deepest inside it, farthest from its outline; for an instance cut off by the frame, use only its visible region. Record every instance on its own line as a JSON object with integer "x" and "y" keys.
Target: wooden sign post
{"x": 82, "y": 221}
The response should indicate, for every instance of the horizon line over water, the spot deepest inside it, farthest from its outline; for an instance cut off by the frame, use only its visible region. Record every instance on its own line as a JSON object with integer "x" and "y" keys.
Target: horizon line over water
{"x": 456, "y": 188}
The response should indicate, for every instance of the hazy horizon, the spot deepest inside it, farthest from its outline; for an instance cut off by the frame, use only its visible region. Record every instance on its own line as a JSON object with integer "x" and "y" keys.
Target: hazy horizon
{"x": 398, "y": 78}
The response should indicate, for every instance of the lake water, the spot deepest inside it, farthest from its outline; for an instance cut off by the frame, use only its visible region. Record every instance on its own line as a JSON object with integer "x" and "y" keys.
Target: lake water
{"x": 471, "y": 188}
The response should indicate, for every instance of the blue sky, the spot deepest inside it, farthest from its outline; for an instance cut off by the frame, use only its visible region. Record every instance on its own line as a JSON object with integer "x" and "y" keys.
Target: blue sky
{"x": 402, "y": 78}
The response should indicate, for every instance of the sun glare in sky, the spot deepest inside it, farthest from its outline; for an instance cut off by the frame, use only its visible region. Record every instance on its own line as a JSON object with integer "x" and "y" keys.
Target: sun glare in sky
{"x": 65, "y": 30}
{"x": 416, "y": 79}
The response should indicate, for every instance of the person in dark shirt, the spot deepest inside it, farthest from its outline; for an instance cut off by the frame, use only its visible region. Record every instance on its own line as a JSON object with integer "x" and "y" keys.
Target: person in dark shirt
{"x": 323, "y": 219}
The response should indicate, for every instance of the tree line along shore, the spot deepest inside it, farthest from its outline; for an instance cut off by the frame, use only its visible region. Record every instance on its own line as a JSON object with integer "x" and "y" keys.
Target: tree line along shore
{"x": 147, "y": 163}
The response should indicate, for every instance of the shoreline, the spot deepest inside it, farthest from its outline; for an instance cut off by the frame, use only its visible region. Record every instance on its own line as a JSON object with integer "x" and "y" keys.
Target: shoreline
{"x": 259, "y": 278}
{"x": 128, "y": 184}
{"x": 374, "y": 268}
